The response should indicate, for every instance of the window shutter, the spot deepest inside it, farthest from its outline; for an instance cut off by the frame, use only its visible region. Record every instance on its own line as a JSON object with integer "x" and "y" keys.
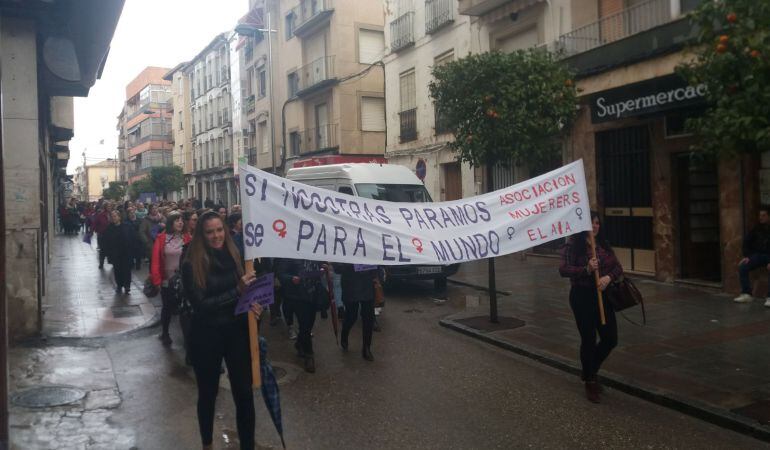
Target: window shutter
{"x": 371, "y": 46}
{"x": 372, "y": 114}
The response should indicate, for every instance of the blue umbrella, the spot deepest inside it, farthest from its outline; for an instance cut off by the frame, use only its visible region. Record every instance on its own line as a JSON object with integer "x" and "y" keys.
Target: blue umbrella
{"x": 270, "y": 392}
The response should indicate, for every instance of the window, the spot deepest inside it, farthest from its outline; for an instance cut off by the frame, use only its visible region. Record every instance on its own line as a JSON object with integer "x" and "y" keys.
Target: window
{"x": 250, "y": 82}
{"x": 371, "y": 46}
{"x": 293, "y": 81}
{"x": 295, "y": 143}
{"x": 263, "y": 138}
{"x": 440, "y": 122}
{"x": 408, "y": 114}
{"x": 291, "y": 21}
{"x": 262, "y": 83}
{"x": 372, "y": 114}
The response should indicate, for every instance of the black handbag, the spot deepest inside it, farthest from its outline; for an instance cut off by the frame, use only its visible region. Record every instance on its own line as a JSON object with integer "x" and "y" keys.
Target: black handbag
{"x": 149, "y": 289}
{"x": 623, "y": 294}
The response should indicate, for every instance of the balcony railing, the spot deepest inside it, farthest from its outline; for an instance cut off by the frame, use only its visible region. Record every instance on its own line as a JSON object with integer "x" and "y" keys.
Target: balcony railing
{"x": 402, "y": 32}
{"x": 316, "y": 74}
{"x": 311, "y": 13}
{"x": 438, "y": 13}
{"x": 617, "y": 26}
{"x": 408, "y": 129}
{"x": 252, "y": 155}
{"x": 318, "y": 139}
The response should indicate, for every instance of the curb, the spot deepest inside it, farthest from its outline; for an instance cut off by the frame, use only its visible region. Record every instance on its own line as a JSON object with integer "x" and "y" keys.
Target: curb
{"x": 477, "y": 286}
{"x": 722, "y": 418}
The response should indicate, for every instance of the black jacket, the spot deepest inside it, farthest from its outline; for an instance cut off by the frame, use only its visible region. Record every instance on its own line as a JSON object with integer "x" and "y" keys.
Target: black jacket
{"x": 286, "y": 269}
{"x": 121, "y": 242}
{"x": 356, "y": 286}
{"x": 757, "y": 241}
{"x": 214, "y": 305}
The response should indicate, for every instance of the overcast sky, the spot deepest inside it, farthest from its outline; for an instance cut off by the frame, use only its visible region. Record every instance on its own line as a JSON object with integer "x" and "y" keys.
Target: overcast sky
{"x": 150, "y": 33}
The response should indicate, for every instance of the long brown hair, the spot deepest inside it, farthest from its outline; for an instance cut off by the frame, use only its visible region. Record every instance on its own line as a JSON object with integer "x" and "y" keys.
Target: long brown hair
{"x": 198, "y": 254}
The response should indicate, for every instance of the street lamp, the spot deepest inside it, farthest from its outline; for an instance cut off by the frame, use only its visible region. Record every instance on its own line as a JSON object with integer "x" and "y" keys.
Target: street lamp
{"x": 252, "y": 30}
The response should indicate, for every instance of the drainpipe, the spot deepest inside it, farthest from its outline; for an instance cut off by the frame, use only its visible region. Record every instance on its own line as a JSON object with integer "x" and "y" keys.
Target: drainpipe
{"x": 3, "y": 309}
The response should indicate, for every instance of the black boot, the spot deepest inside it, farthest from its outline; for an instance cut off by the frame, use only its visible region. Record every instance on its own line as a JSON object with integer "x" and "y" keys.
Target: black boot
{"x": 367, "y": 354}
{"x": 309, "y": 364}
{"x": 344, "y": 339}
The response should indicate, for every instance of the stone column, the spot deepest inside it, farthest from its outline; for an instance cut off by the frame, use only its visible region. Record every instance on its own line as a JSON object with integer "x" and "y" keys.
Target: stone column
{"x": 21, "y": 145}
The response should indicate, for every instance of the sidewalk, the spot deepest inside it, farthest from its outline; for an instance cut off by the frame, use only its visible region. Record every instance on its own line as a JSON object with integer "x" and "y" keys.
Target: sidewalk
{"x": 699, "y": 353}
{"x": 81, "y": 300}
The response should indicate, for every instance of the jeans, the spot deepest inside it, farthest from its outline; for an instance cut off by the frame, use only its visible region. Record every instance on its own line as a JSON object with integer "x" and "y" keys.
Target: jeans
{"x": 209, "y": 345}
{"x": 169, "y": 308}
{"x": 585, "y": 307}
{"x": 306, "y": 312}
{"x": 367, "y": 320}
{"x": 755, "y": 262}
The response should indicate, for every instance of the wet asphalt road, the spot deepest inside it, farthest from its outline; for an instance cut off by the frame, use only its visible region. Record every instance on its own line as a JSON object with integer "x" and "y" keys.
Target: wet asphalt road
{"x": 429, "y": 387}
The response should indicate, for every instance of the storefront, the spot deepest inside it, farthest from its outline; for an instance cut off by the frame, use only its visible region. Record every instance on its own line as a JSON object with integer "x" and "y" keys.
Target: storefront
{"x": 665, "y": 214}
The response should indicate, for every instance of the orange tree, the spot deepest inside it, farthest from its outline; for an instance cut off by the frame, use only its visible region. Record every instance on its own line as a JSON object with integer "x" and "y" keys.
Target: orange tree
{"x": 505, "y": 108}
{"x": 732, "y": 58}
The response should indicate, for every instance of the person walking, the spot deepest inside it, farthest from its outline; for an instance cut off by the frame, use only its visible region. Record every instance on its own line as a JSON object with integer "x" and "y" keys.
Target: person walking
{"x": 166, "y": 256}
{"x": 135, "y": 223}
{"x": 235, "y": 222}
{"x": 301, "y": 286}
{"x": 213, "y": 277}
{"x": 190, "y": 219}
{"x": 121, "y": 242}
{"x": 579, "y": 266}
{"x": 756, "y": 254}
{"x": 358, "y": 295}
{"x": 100, "y": 223}
{"x": 149, "y": 229}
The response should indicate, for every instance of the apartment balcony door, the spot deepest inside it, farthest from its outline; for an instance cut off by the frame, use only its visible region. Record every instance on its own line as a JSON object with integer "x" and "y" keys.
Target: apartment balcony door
{"x": 453, "y": 186}
{"x": 322, "y": 126}
{"x": 626, "y": 191}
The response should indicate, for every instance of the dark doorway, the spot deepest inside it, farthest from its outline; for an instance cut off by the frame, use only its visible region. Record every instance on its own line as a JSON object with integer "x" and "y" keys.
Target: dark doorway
{"x": 625, "y": 191}
{"x": 453, "y": 187}
{"x": 698, "y": 220}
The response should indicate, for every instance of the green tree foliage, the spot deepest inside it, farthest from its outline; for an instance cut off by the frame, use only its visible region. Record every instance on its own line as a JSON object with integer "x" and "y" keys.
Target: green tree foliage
{"x": 732, "y": 58}
{"x": 115, "y": 191}
{"x": 167, "y": 179}
{"x": 505, "y": 107}
{"x": 139, "y": 186}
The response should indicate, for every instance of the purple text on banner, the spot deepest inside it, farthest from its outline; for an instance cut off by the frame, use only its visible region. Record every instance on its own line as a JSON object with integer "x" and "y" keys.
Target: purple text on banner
{"x": 260, "y": 291}
{"x": 363, "y": 267}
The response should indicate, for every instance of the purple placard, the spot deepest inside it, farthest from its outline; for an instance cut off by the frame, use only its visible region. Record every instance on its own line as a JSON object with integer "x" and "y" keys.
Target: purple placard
{"x": 363, "y": 267}
{"x": 260, "y": 291}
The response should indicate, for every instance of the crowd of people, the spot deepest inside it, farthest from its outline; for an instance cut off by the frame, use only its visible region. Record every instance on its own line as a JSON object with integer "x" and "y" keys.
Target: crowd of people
{"x": 196, "y": 258}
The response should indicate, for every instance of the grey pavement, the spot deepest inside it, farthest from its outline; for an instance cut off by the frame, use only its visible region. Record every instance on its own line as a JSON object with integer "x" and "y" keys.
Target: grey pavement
{"x": 698, "y": 348}
{"x": 429, "y": 387}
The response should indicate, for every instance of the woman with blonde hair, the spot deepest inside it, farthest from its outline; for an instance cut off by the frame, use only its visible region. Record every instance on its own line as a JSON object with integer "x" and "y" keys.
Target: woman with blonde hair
{"x": 213, "y": 278}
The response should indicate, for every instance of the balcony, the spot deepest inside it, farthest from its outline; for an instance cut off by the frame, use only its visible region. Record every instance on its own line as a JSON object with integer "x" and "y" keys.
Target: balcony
{"x": 438, "y": 14}
{"x": 402, "y": 32}
{"x": 314, "y": 140}
{"x": 316, "y": 75}
{"x": 249, "y": 104}
{"x": 312, "y": 15}
{"x": 408, "y": 122}
{"x": 615, "y": 27}
{"x": 481, "y": 7}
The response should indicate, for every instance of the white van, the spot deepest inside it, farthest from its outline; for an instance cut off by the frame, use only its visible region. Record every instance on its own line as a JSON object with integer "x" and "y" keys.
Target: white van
{"x": 387, "y": 182}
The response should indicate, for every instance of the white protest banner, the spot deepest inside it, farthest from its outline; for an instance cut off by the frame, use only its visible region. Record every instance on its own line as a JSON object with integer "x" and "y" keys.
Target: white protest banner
{"x": 286, "y": 219}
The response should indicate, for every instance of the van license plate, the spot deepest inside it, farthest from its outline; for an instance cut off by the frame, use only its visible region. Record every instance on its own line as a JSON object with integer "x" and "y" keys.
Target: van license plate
{"x": 429, "y": 270}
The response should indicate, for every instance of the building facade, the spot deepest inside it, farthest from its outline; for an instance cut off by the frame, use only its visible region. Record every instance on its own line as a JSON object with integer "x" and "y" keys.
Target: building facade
{"x": 667, "y": 216}
{"x": 144, "y": 125}
{"x": 212, "y": 176}
{"x": 98, "y": 177}
{"x": 181, "y": 127}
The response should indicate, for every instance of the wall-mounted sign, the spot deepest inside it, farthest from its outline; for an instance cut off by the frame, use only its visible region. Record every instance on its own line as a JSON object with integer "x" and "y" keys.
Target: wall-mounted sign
{"x": 421, "y": 169}
{"x": 645, "y": 97}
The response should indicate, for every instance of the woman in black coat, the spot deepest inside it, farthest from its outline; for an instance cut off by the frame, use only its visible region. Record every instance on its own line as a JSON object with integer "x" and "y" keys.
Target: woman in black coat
{"x": 213, "y": 279}
{"x": 121, "y": 240}
{"x": 358, "y": 295}
{"x": 301, "y": 286}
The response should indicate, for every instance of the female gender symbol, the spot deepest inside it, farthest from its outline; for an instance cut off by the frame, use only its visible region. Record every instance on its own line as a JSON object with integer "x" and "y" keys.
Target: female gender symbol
{"x": 279, "y": 226}
{"x": 417, "y": 244}
{"x": 511, "y": 232}
{"x": 579, "y": 212}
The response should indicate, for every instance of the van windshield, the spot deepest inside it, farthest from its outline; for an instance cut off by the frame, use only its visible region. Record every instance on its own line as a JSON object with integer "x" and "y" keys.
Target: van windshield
{"x": 411, "y": 193}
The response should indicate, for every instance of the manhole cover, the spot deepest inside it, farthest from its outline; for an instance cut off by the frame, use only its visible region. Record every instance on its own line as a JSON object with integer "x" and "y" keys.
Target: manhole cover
{"x": 482, "y": 323}
{"x": 122, "y": 312}
{"x": 45, "y": 396}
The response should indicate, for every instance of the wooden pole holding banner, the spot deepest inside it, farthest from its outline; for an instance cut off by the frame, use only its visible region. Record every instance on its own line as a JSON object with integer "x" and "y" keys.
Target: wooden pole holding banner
{"x": 256, "y": 374}
{"x": 592, "y": 241}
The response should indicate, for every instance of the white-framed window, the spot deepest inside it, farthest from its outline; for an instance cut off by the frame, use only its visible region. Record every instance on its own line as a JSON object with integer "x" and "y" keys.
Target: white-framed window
{"x": 371, "y": 46}
{"x": 372, "y": 114}
{"x": 408, "y": 90}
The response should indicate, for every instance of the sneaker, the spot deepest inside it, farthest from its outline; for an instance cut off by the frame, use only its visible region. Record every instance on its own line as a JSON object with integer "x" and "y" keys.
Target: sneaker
{"x": 743, "y": 298}
{"x": 292, "y": 334}
{"x": 767, "y": 302}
